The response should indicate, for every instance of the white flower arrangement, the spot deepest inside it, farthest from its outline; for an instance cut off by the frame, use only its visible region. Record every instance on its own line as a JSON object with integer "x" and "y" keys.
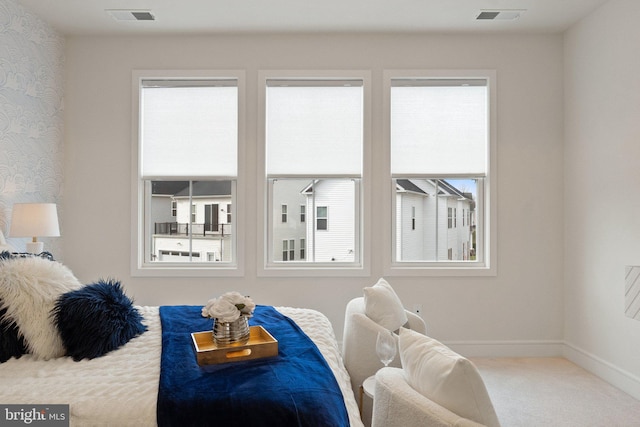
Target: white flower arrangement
{"x": 229, "y": 307}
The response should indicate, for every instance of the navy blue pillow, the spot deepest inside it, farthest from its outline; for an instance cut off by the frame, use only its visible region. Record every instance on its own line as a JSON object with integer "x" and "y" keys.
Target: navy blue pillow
{"x": 96, "y": 319}
{"x": 11, "y": 342}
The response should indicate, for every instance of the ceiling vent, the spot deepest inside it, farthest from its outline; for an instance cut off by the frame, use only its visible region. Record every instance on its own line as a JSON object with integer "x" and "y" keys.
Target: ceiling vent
{"x": 499, "y": 15}
{"x": 131, "y": 15}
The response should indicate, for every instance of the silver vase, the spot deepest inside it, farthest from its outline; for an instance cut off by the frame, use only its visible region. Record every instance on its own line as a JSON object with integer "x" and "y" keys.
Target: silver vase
{"x": 228, "y": 334}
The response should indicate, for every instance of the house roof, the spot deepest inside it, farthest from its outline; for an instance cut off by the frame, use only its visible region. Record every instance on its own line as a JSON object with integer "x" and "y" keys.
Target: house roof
{"x": 168, "y": 188}
{"x": 199, "y": 189}
{"x": 450, "y": 188}
{"x": 444, "y": 187}
{"x": 407, "y": 185}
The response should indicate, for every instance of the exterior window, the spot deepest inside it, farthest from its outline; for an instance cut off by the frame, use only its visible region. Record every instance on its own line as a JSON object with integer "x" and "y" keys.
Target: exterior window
{"x": 187, "y": 166}
{"x": 439, "y": 146}
{"x": 413, "y": 217}
{"x": 284, "y": 213}
{"x": 313, "y": 159}
{"x": 322, "y": 218}
{"x": 288, "y": 250}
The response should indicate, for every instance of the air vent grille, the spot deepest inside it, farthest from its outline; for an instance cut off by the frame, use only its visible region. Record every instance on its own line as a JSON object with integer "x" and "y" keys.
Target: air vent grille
{"x": 499, "y": 15}
{"x": 131, "y": 15}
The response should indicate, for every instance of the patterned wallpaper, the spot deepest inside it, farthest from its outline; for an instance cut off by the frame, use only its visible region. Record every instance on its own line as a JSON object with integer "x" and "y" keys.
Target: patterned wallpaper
{"x": 31, "y": 109}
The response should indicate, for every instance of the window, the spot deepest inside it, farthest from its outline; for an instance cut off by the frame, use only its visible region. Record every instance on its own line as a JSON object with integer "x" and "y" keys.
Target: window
{"x": 187, "y": 158}
{"x": 288, "y": 250}
{"x": 413, "y": 217}
{"x": 322, "y": 218}
{"x": 440, "y": 156}
{"x": 284, "y": 213}
{"x": 313, "y": 153}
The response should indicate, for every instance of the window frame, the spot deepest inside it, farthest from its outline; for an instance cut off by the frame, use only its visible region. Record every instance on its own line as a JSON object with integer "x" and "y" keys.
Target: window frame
{"x": 266, "y": 268}
{"x": 139, "y": 191}
{"x": 487, "y": 200}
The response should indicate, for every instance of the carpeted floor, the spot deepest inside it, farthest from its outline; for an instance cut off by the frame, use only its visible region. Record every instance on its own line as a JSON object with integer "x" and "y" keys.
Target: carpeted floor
{"x": 540, "y": 392}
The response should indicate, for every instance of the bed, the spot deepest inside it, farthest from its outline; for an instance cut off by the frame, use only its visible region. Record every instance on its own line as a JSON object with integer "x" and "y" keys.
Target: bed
{"x": 120, "y": 388}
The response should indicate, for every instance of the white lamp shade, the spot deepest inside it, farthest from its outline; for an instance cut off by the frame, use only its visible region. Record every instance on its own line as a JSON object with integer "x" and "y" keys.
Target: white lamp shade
{"x": 34, "y": 220}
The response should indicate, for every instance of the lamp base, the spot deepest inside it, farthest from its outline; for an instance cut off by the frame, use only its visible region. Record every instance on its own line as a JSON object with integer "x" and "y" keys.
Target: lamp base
{"x": 35, "y": 247}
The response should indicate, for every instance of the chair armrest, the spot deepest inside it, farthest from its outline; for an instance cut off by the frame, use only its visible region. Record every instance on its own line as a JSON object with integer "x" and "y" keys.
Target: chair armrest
{"x": 359, "y": 341}
{"x": 359, "y": 348}
{"x": 397, "y": 404}
{"x": 416, "y": 323}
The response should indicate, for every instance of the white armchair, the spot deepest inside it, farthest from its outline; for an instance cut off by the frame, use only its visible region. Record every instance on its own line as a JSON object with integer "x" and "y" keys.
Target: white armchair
{"x": 398, "y": 404}
{"x": 435, "y": 387}
{"x": 359, "y": 346}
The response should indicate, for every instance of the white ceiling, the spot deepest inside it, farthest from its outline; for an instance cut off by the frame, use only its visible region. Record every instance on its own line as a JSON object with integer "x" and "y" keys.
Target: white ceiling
{"x": 84, "y": 17}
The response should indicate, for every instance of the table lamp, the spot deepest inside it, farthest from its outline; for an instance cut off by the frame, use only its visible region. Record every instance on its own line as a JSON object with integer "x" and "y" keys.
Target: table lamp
{"x": 34, "y": 220}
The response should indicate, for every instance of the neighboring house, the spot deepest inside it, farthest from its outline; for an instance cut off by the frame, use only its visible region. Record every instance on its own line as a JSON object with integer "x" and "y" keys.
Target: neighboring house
{"x": 316, "y": 222}
{"x": 331, "y": 220}
{"x": 436, "y": 221}
{"x": 289, "y": 219}
{"x": 313, "y": 220}
{"x": 196, "y": 231}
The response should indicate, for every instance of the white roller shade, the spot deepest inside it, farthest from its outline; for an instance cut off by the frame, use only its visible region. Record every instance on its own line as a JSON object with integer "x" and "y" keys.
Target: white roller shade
{"x": 314, "y": 130}
{"x": 189, "y": 131}
{"x": 439, "y": 129}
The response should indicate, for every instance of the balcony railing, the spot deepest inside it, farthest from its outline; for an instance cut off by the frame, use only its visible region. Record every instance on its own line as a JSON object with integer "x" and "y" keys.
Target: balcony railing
{"x": 186, "y": 229}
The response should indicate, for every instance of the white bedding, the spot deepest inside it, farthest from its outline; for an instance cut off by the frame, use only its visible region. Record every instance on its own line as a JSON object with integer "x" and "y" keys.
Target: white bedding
{"x": 121, "y": 388}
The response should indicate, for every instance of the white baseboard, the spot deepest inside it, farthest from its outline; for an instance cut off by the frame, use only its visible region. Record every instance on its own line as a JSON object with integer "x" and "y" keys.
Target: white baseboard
{"x": 612, "y": 374}
{"x": 624, "y": 380}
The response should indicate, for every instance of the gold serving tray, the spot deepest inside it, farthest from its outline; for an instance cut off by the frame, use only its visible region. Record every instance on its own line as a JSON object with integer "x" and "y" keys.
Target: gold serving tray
{"x": 261, "y": 344}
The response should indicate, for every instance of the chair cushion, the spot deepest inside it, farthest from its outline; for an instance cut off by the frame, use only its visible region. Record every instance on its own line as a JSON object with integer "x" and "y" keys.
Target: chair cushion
{"x": 382, "y": 305}
{"x": 445, "y": 377}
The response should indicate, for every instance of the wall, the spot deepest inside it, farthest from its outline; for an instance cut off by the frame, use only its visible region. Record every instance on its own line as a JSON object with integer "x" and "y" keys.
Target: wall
{"x": 31, "y": 109}
{"x": 601, "y": 207}
{"x": 523, "y": 304}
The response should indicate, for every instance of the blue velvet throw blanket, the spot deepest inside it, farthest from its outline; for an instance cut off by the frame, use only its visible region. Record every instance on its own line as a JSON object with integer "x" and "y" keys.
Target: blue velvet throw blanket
{"x": 295, "y": 388}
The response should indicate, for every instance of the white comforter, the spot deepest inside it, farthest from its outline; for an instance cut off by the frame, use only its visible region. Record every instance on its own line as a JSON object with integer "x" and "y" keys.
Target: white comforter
{"x": 121, "y": 388}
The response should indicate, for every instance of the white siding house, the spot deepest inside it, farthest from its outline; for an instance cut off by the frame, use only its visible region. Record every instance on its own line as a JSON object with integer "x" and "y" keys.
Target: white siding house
{"x": 433, "y": 221}
{"x": 288, "y": 216}
{"x": 331, "y": 223}
{"x": 192, "y": 227}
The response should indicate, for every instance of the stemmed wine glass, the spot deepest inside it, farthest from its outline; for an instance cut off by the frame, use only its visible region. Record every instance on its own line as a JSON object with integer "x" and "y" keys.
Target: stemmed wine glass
{"x": 386, "y": 347}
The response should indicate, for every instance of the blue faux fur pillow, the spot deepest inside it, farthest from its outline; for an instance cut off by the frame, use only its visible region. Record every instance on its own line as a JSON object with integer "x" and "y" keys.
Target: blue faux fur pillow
{"x": 96, "y": 319}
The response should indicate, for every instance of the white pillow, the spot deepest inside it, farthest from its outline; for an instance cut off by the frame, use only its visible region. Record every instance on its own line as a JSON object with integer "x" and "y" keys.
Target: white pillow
{"x": 445, "y": 377}
{"x": 29, "y": 288}
{"x": 382, "y": 305}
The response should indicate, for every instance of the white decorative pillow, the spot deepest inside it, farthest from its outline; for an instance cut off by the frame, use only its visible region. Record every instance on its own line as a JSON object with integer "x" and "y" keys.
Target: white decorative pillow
{"x": 445, "y": 377}
{"x": 29, "y": 289}
{"x": 382, "y": 305}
